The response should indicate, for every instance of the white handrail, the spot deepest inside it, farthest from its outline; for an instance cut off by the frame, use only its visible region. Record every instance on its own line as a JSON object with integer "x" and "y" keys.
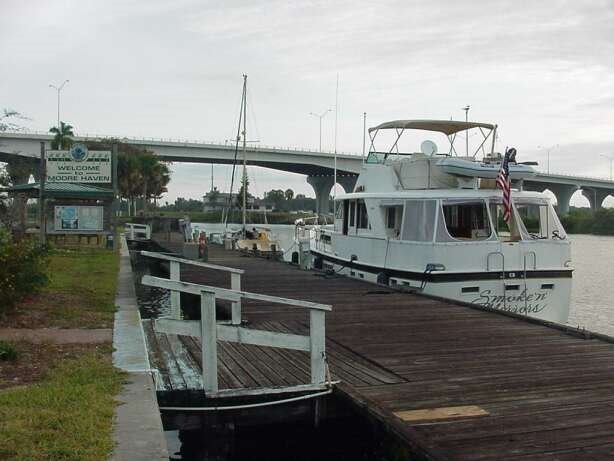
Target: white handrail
{"x": 210, "y": 331}
{"x": 175, "y": 274}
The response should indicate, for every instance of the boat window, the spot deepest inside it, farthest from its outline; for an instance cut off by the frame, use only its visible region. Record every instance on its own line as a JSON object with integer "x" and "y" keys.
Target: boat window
{"x": 506, "y": 232}
{"x": 539, "y": 221}
{"x": 419, "y": 220}
{"x": 362, "y": 219}
{"x": 394, "y": 215}
{"x": 375, "y": 157}
{"x": 465, "y": 220}
{"x": 352, "y": 212}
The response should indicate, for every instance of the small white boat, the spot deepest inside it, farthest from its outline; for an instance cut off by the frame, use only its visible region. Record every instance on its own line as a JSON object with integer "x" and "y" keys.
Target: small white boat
{"x": 259, "y": 241}
{"x": 433, "y": 223}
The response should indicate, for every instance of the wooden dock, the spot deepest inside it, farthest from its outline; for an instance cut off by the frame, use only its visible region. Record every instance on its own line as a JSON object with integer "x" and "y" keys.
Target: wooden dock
{"x": 452, "y": 382}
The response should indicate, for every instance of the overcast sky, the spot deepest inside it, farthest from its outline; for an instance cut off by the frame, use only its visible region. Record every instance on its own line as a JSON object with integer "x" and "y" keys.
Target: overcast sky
{"x": 544, "y": 71}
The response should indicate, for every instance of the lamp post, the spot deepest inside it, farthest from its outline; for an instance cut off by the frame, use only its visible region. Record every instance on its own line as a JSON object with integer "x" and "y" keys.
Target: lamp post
{"x": 610, "y": 158}
{"x": 321, "y": 116}
{"x": 466, "y": 109}
{"x": 548, "y": 149}
{"x": 58, "y": 89}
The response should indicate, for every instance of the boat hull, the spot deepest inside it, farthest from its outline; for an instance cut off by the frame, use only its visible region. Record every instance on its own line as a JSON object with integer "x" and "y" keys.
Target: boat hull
{"x": 542, "y": 294}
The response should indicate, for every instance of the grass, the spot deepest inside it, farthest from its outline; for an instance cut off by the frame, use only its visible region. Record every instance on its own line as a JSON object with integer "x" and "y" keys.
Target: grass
{"x": 80, "y": 293}
{"x": 8, "y": 352}
{"x": 67, "y": 416}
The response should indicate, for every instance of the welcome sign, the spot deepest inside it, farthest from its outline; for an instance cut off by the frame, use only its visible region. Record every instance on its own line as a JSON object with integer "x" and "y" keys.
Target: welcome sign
{"x": 79, "y": 165}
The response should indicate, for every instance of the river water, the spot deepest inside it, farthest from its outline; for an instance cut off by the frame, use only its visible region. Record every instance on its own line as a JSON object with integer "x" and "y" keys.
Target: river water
{"x": 592, "y": 298}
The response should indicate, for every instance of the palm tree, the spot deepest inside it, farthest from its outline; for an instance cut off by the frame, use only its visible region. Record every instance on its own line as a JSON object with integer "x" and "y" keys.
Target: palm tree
{"x": 62, "y": 138}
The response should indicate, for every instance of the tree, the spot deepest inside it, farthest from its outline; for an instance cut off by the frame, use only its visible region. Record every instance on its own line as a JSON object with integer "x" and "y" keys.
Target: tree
{"x": 289, "y": 194}
{"x": 6, "y": 120}
{"x": 239, "y": 196}
{"x": 62, "y": 138}
{"x": 140, "y": 173}
{"x": 275, "y": 197}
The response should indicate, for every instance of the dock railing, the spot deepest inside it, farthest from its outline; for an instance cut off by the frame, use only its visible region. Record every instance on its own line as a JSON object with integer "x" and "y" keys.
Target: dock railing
{"x": 175, "y": 274}
{"x": 137, "y": 231}
{"x": 210, "y": 331}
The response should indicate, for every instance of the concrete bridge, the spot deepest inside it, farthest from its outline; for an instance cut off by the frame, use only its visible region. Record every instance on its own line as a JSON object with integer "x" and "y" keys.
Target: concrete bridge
{"x": 316, "y": 166}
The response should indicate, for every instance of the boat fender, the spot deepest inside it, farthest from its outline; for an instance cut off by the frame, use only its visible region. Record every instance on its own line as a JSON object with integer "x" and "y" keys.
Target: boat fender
{"x": 318, "y": 263}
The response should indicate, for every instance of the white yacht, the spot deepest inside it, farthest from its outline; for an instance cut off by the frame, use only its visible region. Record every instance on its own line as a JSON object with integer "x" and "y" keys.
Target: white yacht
{"x": 434, "y": 223}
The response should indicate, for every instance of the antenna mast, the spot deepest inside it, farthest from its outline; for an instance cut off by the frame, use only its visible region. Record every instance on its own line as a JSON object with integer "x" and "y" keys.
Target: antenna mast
{"x": 244, "y": 151}
{"x": 336, "y": 122}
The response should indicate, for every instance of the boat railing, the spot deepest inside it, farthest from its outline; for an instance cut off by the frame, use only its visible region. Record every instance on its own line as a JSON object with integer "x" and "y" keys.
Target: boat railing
{"x": 175, "y": 275}
{"x": 209, "y": 330}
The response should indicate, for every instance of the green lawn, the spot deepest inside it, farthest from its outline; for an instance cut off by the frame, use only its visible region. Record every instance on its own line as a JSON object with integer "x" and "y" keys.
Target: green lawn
{"x": 67, "y": 416}
{"x": 80, "y": 293}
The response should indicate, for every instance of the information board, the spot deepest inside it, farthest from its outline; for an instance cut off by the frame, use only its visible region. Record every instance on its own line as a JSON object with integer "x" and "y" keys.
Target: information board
{"x": 78, "y": 165}
{"x": 78, "y": 218}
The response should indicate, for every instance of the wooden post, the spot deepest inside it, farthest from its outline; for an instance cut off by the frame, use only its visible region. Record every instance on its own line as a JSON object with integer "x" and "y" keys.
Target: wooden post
{"x": 208, "y": 341}
{"x": 41, "y": 197}
{"x": 235, "y": 284}
{"x": 175, "y": 295}
{"x": 317, "y": 335}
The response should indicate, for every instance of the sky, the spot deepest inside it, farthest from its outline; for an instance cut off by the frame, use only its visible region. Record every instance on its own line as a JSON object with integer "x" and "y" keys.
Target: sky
{"x": 543, "y": 71}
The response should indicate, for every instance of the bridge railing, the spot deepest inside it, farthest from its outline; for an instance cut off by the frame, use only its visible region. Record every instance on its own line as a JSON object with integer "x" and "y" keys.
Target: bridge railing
{"x": 145, "y": 140}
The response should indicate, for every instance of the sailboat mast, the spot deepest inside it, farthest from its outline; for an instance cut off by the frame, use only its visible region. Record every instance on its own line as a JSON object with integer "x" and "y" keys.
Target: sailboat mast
{"x": 244, "y": 151}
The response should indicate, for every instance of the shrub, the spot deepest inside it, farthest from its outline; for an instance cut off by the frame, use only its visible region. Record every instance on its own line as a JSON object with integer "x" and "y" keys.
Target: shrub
{"x": 23, "y": 269}
{"x": 7, "y": 351}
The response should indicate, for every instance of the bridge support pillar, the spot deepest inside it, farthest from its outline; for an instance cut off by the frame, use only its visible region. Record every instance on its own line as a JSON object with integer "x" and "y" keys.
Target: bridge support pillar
{"x": 322, "y": 186}
{"x": 563, "y": 195}
{"x": 19, "y": 172}
{"x": 595, "y": 197}
{"x": 347, "y": 182}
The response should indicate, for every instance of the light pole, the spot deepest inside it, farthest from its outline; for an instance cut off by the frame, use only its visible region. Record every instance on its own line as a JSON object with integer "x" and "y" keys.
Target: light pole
{"x": 321, "y": 116}
{"x": 548, "y": 149}
{"x": 466, "y": 109}
{"x": 610, "y": 158}
{"x": 58, "y": 89}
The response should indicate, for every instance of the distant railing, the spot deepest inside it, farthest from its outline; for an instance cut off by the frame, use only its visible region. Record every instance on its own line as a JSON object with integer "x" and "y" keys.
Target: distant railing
{"x": 137, "y": 231}
{"x": 209, "y": 331}
{"x": 175, "y": 275}
{"x": 200, "y": 142}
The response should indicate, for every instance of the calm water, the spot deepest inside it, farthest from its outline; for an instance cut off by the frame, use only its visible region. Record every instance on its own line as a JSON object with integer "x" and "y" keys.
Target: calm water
{"x": 592, "y": 298}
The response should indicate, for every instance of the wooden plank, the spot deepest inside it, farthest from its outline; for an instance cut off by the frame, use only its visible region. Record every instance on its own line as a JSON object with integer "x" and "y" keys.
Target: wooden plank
{"x": 175, "y": 274}
{"x": 263, "y": 338}
{"x": 438, "y": 414}
{"x": 208, "y": 342}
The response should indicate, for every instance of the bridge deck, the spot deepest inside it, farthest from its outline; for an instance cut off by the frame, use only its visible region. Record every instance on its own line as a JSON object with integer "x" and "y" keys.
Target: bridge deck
{"x": 517, "y": 390}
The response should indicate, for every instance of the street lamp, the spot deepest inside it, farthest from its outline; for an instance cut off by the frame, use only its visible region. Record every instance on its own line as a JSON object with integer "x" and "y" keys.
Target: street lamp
{"x": 58, "y": 89}
{"x": 321, "y": 116}
{"x": 466, "y": 109}
{"x": 610, "y": 158}
{"x": 548, "y": 149}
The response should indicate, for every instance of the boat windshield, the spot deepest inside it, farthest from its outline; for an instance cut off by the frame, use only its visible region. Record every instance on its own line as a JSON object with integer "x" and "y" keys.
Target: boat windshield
{"x": 532, "y": 219}
{"x": 538, "y": 220}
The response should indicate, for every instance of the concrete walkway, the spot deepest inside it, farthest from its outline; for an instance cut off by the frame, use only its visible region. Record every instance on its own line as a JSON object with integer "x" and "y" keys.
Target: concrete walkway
{"x": 57, "y": 335}
{"x": 138, "y": 432}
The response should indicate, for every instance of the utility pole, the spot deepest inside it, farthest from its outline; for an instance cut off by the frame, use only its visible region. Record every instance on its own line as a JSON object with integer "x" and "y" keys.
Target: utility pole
{"x": 466, "y": 109}
{"x": 610, "y": 158}
{"x": 41, "y": 197}
{"x": 321, "y": 116}
{"x": 59, "y": 89}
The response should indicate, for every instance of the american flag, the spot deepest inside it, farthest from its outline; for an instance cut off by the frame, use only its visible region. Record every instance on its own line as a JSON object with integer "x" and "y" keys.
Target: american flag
{"x": 505, "y": 183}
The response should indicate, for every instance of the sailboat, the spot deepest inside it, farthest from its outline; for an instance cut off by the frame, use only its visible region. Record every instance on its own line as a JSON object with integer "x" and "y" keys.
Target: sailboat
{"x": 257, "y": 240}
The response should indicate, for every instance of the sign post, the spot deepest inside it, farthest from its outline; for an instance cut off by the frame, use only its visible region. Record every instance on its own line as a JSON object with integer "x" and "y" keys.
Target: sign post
{"x": 41, "y": 198}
